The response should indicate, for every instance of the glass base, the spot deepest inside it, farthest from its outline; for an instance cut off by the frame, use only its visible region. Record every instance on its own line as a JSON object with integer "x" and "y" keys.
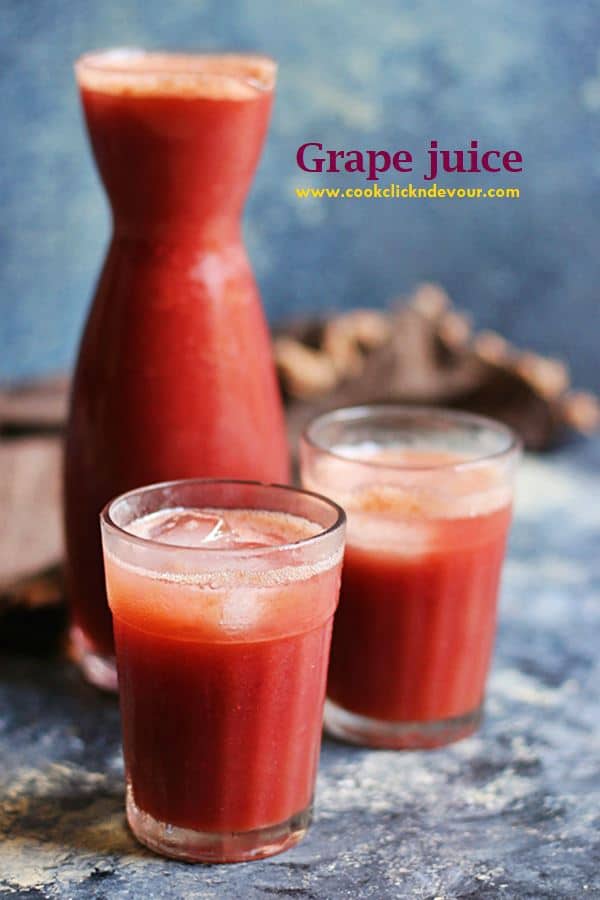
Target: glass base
{"x": 99, "y": 670}
{"x": 368, "y": 732}
{"x": 215, "y": 847}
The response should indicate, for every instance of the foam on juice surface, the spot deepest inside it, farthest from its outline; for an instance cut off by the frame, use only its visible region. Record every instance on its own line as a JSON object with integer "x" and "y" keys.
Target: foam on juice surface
{"x": 135, "y": 72}
{"x": 411, "y": 483}
{"x": 219, "y": 531}
{"x": 400, "y": 497}
{"x": 184, "y": 577}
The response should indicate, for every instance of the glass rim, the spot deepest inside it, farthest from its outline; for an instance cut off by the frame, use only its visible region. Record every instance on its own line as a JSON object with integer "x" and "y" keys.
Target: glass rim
{"x": 362, "y": 413}
{"x": 107, "y": 520}
{"x": 98, "y": 62}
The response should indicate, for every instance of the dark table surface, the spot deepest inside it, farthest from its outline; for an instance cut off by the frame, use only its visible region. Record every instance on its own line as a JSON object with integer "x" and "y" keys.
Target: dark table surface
{"x": 512, "y": 812}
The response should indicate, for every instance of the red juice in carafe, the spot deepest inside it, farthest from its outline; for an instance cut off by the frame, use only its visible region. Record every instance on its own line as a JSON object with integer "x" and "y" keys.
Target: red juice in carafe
{"x": 175, "y": 375}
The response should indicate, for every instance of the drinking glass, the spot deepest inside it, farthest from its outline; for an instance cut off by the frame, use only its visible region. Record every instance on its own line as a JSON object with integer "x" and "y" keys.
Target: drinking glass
{"x": 428, "y": 495}
{"x": 222, "y": 595}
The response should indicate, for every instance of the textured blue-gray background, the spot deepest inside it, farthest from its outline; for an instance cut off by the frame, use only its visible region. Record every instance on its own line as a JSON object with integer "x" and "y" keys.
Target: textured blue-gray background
{"x": 389, "y": 74}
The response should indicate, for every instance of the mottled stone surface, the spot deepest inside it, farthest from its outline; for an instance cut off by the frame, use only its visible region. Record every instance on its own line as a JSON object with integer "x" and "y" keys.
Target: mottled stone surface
{"x": 512, "y": 812}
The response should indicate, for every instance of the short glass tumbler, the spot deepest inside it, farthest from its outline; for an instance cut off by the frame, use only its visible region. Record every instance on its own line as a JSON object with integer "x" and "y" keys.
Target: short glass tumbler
{"x": 222, "y": 595}
{"x": 428, "y": 495}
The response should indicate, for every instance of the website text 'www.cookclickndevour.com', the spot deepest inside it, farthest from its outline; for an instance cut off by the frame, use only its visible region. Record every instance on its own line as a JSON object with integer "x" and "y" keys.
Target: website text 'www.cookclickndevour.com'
{"x": 408, "y": 192}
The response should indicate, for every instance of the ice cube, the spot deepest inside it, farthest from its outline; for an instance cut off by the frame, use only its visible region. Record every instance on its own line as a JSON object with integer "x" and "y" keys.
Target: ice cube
{"x": 241, "y": 608}
{"x": 188, "y": 528}
{"x": 261, "y": 528}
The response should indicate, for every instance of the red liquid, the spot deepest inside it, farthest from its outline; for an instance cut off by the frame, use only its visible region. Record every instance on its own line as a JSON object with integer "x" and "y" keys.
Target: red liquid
{"x": 175, "y": 376}
{"x": 222, "y": 693}
{"x": 414, "y": 631}
{"x": 413, "y": 637}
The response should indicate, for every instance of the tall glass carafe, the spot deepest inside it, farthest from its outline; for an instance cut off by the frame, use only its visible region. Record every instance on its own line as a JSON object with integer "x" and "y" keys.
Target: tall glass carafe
{"x": 175, "y": 377}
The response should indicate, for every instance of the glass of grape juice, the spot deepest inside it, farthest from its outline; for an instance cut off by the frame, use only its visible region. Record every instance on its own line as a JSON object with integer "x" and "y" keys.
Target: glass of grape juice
{"x": 428, "y": 495}
{"x": 222, "y": 595}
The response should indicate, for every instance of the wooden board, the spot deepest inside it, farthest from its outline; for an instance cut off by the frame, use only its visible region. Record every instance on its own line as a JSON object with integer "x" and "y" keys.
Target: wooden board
{"x": 30, "y": 519}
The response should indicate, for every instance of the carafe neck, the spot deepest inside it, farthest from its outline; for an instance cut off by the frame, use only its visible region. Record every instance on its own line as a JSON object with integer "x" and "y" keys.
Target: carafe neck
{"x": 176, "y": 164}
